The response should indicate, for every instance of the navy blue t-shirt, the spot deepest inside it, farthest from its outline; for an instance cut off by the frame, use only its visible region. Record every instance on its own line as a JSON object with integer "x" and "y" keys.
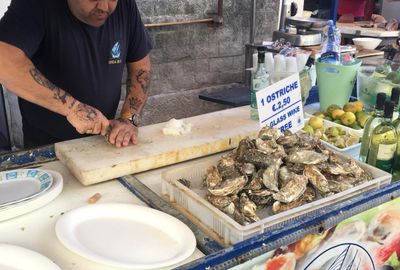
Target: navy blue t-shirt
{"x": 85, "y": 61}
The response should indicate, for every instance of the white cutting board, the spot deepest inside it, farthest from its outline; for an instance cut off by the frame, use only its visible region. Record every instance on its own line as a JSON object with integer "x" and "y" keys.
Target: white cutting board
{"x": 92, "y": 160}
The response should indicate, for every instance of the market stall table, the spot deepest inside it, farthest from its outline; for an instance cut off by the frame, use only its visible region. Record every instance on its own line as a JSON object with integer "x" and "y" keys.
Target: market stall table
{"x": 355, "y": 29}
{"x": 36, "y": 230}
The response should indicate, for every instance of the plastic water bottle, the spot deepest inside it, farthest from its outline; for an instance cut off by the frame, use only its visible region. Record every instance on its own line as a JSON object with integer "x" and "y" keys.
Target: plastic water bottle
{"x": 330, "y": 52}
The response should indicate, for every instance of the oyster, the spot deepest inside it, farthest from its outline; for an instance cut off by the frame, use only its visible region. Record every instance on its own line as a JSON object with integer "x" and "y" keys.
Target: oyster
{"x": 307, "y": 141}
{"x": 317, "y": 179}
{"x": 256, "y": 182}
{"x": 244, "y": 146}
{"x": 226, "y": 167}
{"x": 270, "y": 176}
{"x": 268, "y": 133}
{"x": 307, "y": 157}
{"x": 229, "y": 187}
{"x": 339, "y": 186}
{"x": 224, "y": 203}
{"x": 333, "y": 168}
{"x": 247, "y": 168}
{"x": 308, "y": 196}
{"x": 293, "y": 190}
{"x": 212, "y": 178}
{"x": 260, "y": 197}
{"x": 285, "y": 176}
{"x": 258, "y": 158}
{"x": 248, "y": 208}
{"x": 270, "y": 147}
{"x": 288, "y": 139}
{"x": 239, "y": 217}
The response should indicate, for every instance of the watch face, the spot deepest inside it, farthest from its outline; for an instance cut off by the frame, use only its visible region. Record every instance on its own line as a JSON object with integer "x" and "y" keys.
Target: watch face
{"x": 135, "y": 119}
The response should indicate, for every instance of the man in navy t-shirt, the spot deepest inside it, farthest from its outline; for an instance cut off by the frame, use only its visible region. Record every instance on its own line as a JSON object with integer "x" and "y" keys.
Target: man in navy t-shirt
{"x": 65, "y": 59}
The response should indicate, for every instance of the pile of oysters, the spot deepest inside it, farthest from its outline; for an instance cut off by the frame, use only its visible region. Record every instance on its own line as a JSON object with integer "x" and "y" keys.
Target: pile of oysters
{"x": 282, "y": 170}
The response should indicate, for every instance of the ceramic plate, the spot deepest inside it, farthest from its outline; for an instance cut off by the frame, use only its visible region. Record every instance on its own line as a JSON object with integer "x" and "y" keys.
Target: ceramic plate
{"x": 23, "y": 184}
{"x": 126, "y": 235}
{"x": 18, "y": 258}
{"x": 23, "y": 207}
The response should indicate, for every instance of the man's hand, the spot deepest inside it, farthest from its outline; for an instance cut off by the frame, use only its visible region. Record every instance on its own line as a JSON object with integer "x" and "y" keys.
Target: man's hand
{"x": 122, "y": 132}
{"x": 87, "y": 119}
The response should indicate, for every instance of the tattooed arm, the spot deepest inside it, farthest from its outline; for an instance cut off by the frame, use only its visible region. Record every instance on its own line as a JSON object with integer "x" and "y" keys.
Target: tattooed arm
{"x": 20, "y": 76}
{"x": 137, "y": 86}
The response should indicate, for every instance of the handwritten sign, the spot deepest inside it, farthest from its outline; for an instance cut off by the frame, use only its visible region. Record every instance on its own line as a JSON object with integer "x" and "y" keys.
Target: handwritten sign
{"x": 280, "y": 105}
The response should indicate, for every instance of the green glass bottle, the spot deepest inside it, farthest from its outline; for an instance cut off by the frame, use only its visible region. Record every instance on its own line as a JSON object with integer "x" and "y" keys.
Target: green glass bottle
{"x": 260, "y": 80}
{"x": 374, "y": 120}
{"x": 384, "y": 141}
{"x": 395, "y": 98}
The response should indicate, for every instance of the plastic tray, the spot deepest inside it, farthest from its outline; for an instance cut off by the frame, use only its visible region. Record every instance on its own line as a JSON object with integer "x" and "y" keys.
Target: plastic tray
{"x": 351, "y": 151}
{"x": 193, "y": 204}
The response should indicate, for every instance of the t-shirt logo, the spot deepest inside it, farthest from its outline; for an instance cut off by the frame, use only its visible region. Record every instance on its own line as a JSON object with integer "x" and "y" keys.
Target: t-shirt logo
{"x": 115, "y": 54}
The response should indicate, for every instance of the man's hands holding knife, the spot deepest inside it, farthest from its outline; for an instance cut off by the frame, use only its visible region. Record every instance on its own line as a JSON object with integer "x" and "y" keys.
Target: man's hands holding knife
{"x": 88, "y": 120}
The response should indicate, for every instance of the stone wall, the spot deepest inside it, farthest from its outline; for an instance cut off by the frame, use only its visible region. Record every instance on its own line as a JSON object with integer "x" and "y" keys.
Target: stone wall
{"x": 187, "y": 59}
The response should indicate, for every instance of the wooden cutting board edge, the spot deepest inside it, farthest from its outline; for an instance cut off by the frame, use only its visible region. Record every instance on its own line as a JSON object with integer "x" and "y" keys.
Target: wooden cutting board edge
{"x": 99, "y": 175}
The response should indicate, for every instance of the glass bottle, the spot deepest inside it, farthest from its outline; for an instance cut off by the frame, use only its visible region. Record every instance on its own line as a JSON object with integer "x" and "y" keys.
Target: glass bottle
{"x": 384, "y": 141}
{"x": 383, "y": 70}
{"x": 259, "y": 81}
{"x": 374, "y": 120}
{"x": 395, "y": 98}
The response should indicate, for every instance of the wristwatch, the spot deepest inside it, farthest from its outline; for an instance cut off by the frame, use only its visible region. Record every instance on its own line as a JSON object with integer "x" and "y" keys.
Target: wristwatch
{"x": 134, "y": 119}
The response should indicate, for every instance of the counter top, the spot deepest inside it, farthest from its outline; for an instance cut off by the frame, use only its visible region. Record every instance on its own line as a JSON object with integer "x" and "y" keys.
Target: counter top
{"x": 356, "y": 30}
{"x": 36, "y": 230}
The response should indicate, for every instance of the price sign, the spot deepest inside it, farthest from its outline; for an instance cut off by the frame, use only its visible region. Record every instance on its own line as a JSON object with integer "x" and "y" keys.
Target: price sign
{"x": 280, "y": 105}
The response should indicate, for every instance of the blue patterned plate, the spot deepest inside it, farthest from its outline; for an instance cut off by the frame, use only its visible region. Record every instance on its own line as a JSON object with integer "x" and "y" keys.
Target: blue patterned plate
{"x": 23, "y": 184}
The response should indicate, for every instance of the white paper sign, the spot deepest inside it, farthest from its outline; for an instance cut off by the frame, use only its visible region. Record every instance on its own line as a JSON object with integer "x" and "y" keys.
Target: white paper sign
{"x": 280, "y": 105}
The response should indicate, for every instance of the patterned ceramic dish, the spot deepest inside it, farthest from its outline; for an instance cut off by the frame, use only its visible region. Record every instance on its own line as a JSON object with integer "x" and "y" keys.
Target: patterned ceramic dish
{"x": 23, "y": 184}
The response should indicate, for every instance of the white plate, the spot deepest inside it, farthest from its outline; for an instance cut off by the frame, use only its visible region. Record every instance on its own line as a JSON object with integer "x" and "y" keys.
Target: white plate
{"x": 38, "y": 201}
{"x": 19, "y": 258}
{"x": 126, "y": 235}
{"x": 23, "y": 184}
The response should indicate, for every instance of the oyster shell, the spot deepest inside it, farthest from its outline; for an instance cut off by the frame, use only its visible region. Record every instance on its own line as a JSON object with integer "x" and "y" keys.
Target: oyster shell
{"x": 224, "y": 203}
{"x": 260, "y": 197}
{"x": 317, "y": 179}
{"x": 258, "y": 158}
{"x": 338, "y": 186}
{"x": 270, "y": 176}
{"x": 247, "y": 168}
{"x": 212, "y": 178}
{"x": 229, "y": 187}
{"x": 256, "y": 182}
{"x": 293, "y": 190}
{"x": 248, "y": 208}
{"x": 288, "y": 139}
{"x": 307, "y": 157}
{"x": 268, "y": 133}
{"x": 308, "y": 196}
{"x": 226, "y": 167}
{"x": 285, "y": 176}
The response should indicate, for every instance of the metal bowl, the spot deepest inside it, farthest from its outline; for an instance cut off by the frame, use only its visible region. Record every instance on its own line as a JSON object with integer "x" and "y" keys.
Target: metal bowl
{"x": 306, "y": 23}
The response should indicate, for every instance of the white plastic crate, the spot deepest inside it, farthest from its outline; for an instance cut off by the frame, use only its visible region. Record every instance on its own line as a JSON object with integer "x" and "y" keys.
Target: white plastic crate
{"x": 195, "y": 205}
{"x": 351, "y": 151}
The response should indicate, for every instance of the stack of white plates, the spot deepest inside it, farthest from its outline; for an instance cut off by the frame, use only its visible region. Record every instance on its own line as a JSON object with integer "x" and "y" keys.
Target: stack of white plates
{"x": 24, "y": 190}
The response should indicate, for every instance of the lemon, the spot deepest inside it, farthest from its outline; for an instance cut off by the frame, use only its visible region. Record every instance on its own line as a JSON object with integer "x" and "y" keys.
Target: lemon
{"x": 308, "y": 129}
{"x": 348, "y": 118}
{"x": 337, "y": 113}
{"x": 316, "y": 122}
{"x": 359, "y": 105}
{"x": 331, "y": 108}
{"x": 350, "y": 107}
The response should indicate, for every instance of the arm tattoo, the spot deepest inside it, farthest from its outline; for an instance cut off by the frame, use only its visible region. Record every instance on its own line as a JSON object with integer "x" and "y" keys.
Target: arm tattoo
{"x": 135, "y": 103}
{"x": 86, "y": 113}
{"x": 143, "y": 78}
{"x": 58, "y": 93}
